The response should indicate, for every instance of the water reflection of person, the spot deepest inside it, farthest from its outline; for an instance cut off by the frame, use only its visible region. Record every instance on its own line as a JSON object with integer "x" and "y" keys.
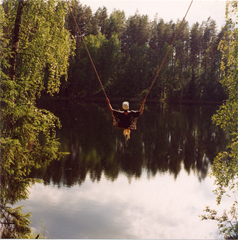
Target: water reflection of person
{"x": 125, "y": 118}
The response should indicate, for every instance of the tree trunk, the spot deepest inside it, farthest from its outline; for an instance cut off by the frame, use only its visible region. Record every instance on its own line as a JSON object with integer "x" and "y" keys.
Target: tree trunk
{"x": 15, "y": 43}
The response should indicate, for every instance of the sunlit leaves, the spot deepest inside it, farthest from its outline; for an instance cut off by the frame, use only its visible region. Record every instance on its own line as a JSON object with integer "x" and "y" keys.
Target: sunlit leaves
{"x": 225, "y": 166}
{"x": 227, "y": 115}
{"x": 42, "y": 59}
{"x": 28, "y": 134}
{"x": 227, "y": 222}
{"x": 17, "y": 218}
{"x": 45, "y": 46}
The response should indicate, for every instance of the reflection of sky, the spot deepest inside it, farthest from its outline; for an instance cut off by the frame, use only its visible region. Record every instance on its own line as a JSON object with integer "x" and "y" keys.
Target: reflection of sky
{"x": 159, "y": 207}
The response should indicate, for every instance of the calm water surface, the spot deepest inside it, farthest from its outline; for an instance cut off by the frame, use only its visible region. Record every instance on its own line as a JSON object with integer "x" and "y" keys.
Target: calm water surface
{"x": 153, "y": 186}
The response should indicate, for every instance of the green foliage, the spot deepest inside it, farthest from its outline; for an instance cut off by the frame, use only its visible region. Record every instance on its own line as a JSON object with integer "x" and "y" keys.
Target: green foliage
{"x": 115, "y": 23}
{"x": 191, "y": 70}
{"x": 106, "y": 57}
{"x": 28, "y": 134}
{"x": 16, "y": 224}
{"x": 44, "y": 47}
{"x": 227, "y": 115}
{"x": 225, "y": 168}
{"x": 228, "y": 221}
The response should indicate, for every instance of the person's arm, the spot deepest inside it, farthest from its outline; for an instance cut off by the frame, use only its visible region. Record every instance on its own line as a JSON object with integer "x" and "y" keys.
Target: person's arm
{"x": 142, "y": 106}
{"x": 109, "y": 105}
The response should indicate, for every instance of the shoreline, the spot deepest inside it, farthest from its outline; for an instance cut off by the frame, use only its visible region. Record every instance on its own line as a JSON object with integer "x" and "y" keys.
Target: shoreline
{"x": 134, "y": 100}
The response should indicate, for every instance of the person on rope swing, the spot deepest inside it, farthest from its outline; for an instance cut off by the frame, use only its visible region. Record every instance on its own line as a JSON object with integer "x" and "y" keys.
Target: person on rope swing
{"x": 127, "y": 119}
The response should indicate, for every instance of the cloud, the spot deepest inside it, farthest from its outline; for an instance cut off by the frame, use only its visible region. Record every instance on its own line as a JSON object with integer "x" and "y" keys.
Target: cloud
{"x": 159, "y": 207}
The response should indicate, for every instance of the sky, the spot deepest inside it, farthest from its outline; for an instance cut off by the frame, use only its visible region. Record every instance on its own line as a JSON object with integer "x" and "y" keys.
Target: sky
{"x": 159, "y": 207}
{"x": 166, "y": 9}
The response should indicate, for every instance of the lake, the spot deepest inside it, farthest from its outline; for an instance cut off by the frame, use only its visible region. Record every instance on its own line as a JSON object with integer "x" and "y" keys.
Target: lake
{"x": 155, "y": 185}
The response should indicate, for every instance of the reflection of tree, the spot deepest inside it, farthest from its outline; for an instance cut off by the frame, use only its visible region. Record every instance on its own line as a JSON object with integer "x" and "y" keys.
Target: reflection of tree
{"x": 181, "y": 136}
{"x": 166, "y": 141}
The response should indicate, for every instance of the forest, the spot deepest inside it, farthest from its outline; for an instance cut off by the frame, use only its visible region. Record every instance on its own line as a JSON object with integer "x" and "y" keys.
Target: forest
{"x": 128, "y": 52}
{"x": 42, "y": 56}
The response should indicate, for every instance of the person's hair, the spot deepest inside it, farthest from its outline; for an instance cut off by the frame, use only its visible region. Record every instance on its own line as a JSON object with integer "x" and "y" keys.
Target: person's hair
{"x": 125, "y": 106}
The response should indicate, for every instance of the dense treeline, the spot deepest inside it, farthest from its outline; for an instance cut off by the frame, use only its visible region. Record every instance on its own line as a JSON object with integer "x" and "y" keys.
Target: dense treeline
{"x": 128, "y": 52}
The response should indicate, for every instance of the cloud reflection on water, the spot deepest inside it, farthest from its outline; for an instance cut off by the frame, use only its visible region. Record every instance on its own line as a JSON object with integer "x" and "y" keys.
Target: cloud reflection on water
{"x": 156, "y": 186}
{"x": 159, "y": 207}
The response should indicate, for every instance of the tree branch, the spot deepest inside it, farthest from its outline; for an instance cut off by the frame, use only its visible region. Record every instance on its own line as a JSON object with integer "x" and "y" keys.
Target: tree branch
{"x": 16, "y": 37}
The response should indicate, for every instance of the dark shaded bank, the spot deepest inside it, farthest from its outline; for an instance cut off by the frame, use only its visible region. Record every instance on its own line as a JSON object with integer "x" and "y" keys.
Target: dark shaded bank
{"x": 135, "y": 100}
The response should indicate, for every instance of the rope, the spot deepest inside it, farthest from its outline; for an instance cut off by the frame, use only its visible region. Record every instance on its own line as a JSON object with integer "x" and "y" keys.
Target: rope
{"x": 114, "y": 121}
{"x": 95, "y": 70}
{"x": 87, "y": 50}
{"x": 167, "y": 52}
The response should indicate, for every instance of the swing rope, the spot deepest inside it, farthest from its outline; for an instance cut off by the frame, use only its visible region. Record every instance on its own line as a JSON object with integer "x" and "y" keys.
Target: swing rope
{"x": 87, "y": 50}
{"x": 114, "y": 120}
{"x": 95, "y": 70}
{"x": 167, "y": 52}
